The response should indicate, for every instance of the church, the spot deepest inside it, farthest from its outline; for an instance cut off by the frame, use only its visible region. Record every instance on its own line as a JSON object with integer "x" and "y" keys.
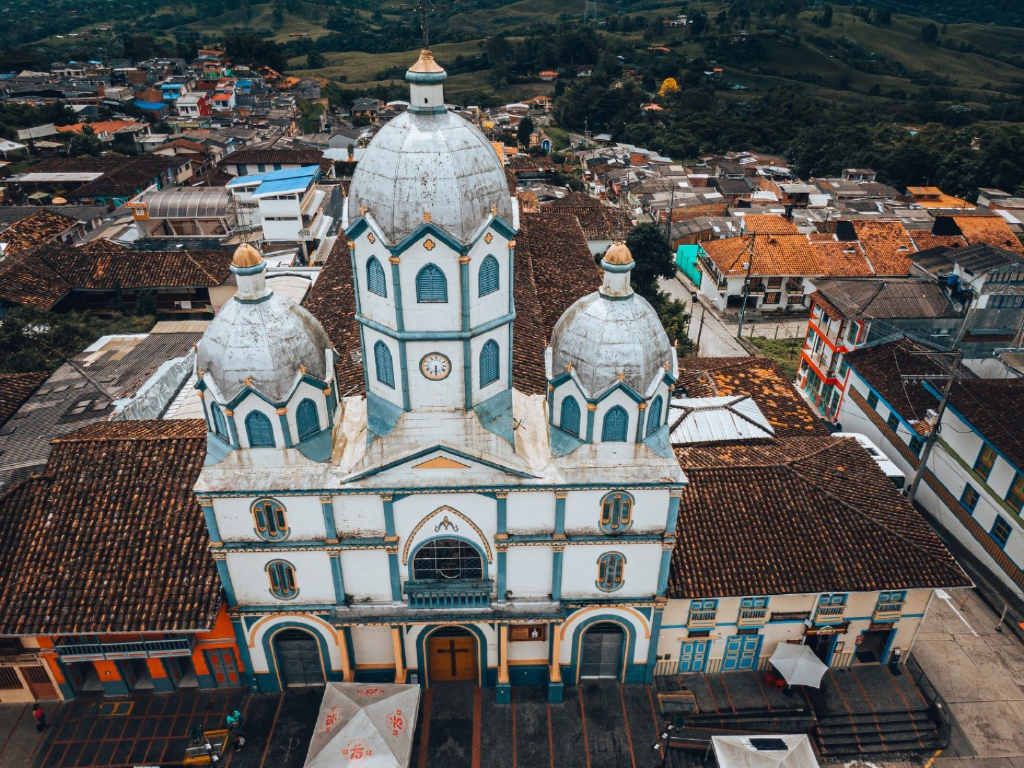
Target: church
{"x": 445, "y": 525}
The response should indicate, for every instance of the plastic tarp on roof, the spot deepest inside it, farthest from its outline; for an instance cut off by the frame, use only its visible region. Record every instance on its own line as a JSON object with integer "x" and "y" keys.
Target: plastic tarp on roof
{"x": 188, "y": 203}
{"x": 764, "y": 751}
{"x": 366, "y": 724}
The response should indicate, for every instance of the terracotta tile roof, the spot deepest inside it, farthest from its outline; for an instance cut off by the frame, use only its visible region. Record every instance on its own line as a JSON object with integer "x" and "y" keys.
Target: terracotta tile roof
{"x": 801, "y": 515}
{"x": 993, "y": 406}
{"x": 529, "y": 163}
{"x": 553, "y": 268}
{"x": 924, "y": 240}
{"x": 510, "y": 179}
{"x": 130, "y": 178}
{"x": 78, "y": 164}
{"x": 15, "y": 389}
{"x": 886, "y": 244}
{"x": 251, "y": 156}
{"x": 839, "y": 259}
{"x": 33, "y": 230}
{"x": 761, "y": 379}
{"x": 773, "y": 255}
{"x": 111, "y": 538}
{"x": 769, "y": 224}
{"x": 992, "y": 230}
{"x": 102, "y": 126}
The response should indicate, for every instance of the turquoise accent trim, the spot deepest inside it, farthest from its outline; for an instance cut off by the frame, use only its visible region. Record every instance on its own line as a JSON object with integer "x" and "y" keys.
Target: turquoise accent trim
{"x": 426, "y": 78}
{"x": 628, "y": 651}
{"x": 666, "y": 564}
{"x": 211, "y": 523}
{"x": 403, "y": 366}
{"x": 503, "y": 693}
{"x": 271, "y": 656}
{"x": 562, "y": 443}
{"x": 476, "y": 547}
{"x": 396, "y": 281}
{"x": 484, "y": 489}
{"x": 253, "y": 270}
{"x": 590, "y": 425}
{"x": 285, "y": 431}
{"x": 659, "y": 442}
{"x": 330, "y": 528}
{"x": 556, "y": 576}
{"x": 652, "y": 648}
{"x": 339, "y": 581}
{"x": 225, "y": 582}
{"x": 381, "y": 415}
{"x": 490, "y": 325}
{"x": 389, "y": 517}
{"x": 556, "y": 692}
{"x": 627, "y": 297}
{"x": 66, "y": 691}
{"x": 396, "y": 580}
{"x": 673, "y": 514}
{"x": 559, "y": 515}
{"x": 502, "y": 582}
{"x": 467, "y": 360}
{"x": 502, "y": 514}
{"x": 495, "y": 415}
{"x": 428, "y": 110}
{"x": 487, "y": 676}
{"x": 631, "y": 393}
{"x": 618, "y": 268}
{"x": 260, "y": 300}
{"x": 446, "y": 449}
{"x": 162, "y": 685}
{"x": 233, "y": 431}
{"x": 317, "y": 447}
{"x": 420, "y": 233}
{"x": 244, "y": 392}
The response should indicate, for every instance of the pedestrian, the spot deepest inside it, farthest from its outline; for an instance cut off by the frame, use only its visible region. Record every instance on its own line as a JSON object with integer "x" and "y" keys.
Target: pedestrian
{"x": 40, "y": 716}
{"x": 239, "y": 742}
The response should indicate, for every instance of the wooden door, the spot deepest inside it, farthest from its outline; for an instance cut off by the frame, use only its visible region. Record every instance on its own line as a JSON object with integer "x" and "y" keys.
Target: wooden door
{"x": 221, "y": 663}
{"x": 39, "y": 682}
{"x": 452, "y": 658}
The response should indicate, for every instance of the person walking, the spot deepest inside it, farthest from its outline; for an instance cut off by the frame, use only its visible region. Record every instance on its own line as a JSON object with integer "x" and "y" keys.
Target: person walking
{"x": 239, "y": 742}
{"x": 40, "y": 716}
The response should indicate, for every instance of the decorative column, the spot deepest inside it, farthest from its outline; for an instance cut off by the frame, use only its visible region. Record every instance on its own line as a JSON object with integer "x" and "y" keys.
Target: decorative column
{"x": 391, "y": 546}
{"x": 667, "y": 545}
{"x": 336, "y": 575}
{"x": 282, "y": 414}
{"x": 220, "y": 560}
{"x": 501, "y": 545}
{"x": 557, "y": 551}
{"x": 642, "y": 407}
{"x": 211, "y": 521}
{"x": 560, "y": 514}
{"x": 652, "y": 649}
{"x": 230, "y": 417}
{"x": 467, "y": 350}
{"x": 502, "y": 498}
{"x": 555, "y": 670}
{"x": 674, "y": 497}
{"x": 346, "y": 660}
{"x": 330, "y": 529}
{"x": 503, "y": 693}
{"x": 591, "y": 407}
{"x": 396, "y": 642}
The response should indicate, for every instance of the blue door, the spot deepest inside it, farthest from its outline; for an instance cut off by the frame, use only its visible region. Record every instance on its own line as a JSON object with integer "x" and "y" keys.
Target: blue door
{"x": 741, "y": 652}
{"x": 693, "y": 655}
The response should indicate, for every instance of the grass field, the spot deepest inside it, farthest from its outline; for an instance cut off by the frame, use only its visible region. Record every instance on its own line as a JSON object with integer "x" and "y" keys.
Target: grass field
{"x": 786, "y": 352}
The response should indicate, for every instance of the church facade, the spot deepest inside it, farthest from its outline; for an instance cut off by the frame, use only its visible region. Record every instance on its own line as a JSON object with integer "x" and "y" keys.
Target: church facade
{"x": 444, "y": 526}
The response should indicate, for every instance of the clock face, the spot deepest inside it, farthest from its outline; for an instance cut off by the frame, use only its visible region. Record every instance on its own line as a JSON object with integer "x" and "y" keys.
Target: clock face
{"x": 435, "y": 366}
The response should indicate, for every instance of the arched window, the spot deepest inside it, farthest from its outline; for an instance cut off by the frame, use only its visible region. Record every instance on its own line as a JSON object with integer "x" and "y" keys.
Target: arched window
{"x": 431, "y": 286}
{"x": 375, "y": 281}
{"x": 382, "y": 361}
{"x": 570, "y": 419}
{"x": 269, "y": 519}
{"x": 259, "y": 431}
{"x": 282, "y": 579}
{"x": 447, "y": 559}
{"x": 609, "y": 571}
{"x": 307, "y": 419}
{"x": 489, "y": 282}
{"x": 616, "y": 512}
{"x": 220, "y": 427}
{"x": 654, "y": 416}
{"x": 615, "y": 423}
{"x": 489, "y": 365}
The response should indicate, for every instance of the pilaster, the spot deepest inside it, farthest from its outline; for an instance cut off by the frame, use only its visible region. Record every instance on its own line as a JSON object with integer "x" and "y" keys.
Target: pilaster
{"x": 667, "y": 545}
{"x": 330, "y": 529}
{"x": 282, "y": 414}
{"x": 557, "y": 553}
{"x": 211, "y": 521}
{"x": 220, "y": 558}
{"x": 336, "y": 575}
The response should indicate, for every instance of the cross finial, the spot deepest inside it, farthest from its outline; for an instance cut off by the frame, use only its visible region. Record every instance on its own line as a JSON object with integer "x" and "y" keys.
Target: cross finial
{"x": 423, "y": 8}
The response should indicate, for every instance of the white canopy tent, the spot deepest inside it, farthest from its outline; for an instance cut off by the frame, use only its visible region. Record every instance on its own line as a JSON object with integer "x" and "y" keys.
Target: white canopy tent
{"x": 786, "y": 751}
{"x": 366, "y": 724}
{"x": 798, "y": 665}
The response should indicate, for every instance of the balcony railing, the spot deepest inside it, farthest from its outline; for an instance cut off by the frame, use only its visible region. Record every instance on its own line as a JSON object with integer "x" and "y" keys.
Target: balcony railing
{"x": 449, "y": 594}
{"x": 752, "y": 617}
{"x": 887, "y": 612}
{"x": 701, "y": 619}
{"x": 137, "y": 649}
{"x": 829, "y": 614}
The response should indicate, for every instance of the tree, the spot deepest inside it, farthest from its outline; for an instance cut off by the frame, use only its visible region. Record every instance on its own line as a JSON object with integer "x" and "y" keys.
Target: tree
{"x": 86, "y": 143}
{"x": 668, "y": 86}
{"x": 524, "y": 132}
{"x": 929, "y": 33}
{"x": 315, "y": 60}
{"x": 652, "y": 256}
{"x": 826, "y": 16}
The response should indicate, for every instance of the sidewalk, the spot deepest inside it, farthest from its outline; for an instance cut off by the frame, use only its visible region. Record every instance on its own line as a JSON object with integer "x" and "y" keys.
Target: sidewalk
{"x": 19, "y": 740}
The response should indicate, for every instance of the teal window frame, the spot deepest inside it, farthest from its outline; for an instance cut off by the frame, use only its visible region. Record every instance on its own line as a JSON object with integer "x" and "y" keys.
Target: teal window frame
{"x": 490, "y": 363}
{"x": 893, "y": 421}
{"x": 569, "y": 418}
{"x": 1015, "y": 496}
{"x": 376, "y": 283}
{"x": 489, "y": 279}
{"x": 1000, "y": 531}
{"x": 832, "y": 598}
{"x": 307, "y": 419}
{"x": 383, "y": 365}
{"x": 270, "y": 520}
{"x": 281, "y": 575}
{"x": 220, "y": 425}
{"x": 616, "y": 513}
{"x": 654, "y": 415}
{"x": 615, "y": 425}
{"x": 969, "y": 498}
{"x": 259, "y": 430}
{"x": 431, "y": 285}
{"x": 753, "y": 603}
{"x": 982, "y": 468}
{"x": 873, "y": 400}
{"x": 916, "y": 444}
{"x": 611, "y": 568}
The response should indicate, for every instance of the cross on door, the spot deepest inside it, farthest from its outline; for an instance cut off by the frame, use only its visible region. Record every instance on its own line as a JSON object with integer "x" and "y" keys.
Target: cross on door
{"x": 453, "y": 652}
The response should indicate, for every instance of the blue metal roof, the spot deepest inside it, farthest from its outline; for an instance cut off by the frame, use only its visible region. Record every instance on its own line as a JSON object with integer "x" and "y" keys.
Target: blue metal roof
{"x": 154, "y": 105}
{"x": 279, "y": 182}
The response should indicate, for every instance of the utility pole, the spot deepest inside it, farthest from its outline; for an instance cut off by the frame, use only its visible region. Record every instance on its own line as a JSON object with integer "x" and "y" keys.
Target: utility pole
{"x": 700, "y": 329}
{"x": 746, "y": 284}
{"x": 934, "y": 433}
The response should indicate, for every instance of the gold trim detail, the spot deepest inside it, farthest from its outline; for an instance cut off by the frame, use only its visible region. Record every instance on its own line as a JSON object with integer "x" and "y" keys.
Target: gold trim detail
{"x": 449, "y": 510}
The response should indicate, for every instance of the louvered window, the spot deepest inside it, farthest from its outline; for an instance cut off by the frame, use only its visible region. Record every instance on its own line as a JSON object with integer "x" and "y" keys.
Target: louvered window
{"x": 382, "y": 361}
{"x": 219, "y": 426}
{"x": 654, "y": 415}
{"x": 616, "y": 513}
{"x": 431, "y": 285}
{"x": 269, "y": 519}
{"x": 610, "y": 566}
{"x": 615, "y": 423}
{"x": 488, "y": 275}
{"x": 375, "y": 277}
{"x": 307, "y": 419}
{"x": 257, "y": 427}
{"x": 489, "y": 365}
{"x": 570, "y": 420}
{"x": 282, "y": 579}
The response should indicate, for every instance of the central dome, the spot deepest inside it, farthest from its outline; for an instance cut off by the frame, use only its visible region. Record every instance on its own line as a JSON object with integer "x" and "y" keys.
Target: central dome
{"x": 429, "y": 161}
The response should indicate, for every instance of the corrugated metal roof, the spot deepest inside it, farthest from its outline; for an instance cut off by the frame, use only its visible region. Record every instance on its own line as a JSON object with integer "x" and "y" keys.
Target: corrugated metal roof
{"x": 716, "y": 419}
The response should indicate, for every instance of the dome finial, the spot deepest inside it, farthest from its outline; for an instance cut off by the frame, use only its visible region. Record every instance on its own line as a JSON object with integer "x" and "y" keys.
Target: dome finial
{"x": 618, "y": 254}
{"x": 617, "y": 264}
{"x": 246, "y": 256}
{"x": 249, "y": 268}
{"x": 426, "y": 89}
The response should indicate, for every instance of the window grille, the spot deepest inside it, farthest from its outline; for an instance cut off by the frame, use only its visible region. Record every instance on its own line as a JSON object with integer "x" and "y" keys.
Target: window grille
{"x": 282, "y": 579}
{"x": 270, "y": 520}
{"x": 447, "y": 559}
{"x": 610, "y": 566}
{"x": 220, "y": 427}
{"x": 616, "y": 512}
{"x": 654, "y": 416}
{"x": 986, "y": 460}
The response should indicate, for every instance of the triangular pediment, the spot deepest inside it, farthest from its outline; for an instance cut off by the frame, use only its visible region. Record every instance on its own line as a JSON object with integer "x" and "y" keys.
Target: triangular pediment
{"x": 440, "y": 463}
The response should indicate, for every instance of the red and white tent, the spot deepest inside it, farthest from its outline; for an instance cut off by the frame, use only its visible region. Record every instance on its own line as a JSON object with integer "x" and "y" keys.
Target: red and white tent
{"x": 364, "y": 725}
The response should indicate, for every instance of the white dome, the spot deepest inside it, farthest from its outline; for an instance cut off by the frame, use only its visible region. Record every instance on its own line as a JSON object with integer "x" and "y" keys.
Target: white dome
{"x": 436, "y": 163}
{"x": 603, "y": 338}
{"x": 265, "y": 341}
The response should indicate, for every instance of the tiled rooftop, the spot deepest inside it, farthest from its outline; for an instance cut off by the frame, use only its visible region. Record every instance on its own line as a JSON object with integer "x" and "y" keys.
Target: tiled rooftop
{"x": 33, "y": 230}
{"x": 15, "y": 389}
{"x": 110, "y": 538}
{"x": 890, "y": 298}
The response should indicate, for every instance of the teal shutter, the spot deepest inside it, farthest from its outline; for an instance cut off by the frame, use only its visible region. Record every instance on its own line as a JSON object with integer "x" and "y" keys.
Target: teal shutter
{"x": 431, "y": 286}
{"x": 489, "y": 366}
{"x": 488, "y": 275}
{"x": 614, "y": 428}
{"x": 375, "y": 281}
{"x": 257, "y": 427}
{"x": 654, "y": 416}
{"x": 382, "y": 361}
{"x": 219, "y": 426}
{"x": 570, "y": 420}
{"x": 282, "y": 579}
{"x": 307, "y": 419}
{"x": 609, "y": 571}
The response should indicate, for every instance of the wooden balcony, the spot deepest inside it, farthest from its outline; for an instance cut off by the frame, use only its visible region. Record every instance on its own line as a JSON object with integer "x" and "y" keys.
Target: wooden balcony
{"x": 829, "y": 614}
{"x": 752, "y": 617}
{"x": 887, "y": 612}
{"x": 449, "y": 594}
{"x": 701, "y": 619}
